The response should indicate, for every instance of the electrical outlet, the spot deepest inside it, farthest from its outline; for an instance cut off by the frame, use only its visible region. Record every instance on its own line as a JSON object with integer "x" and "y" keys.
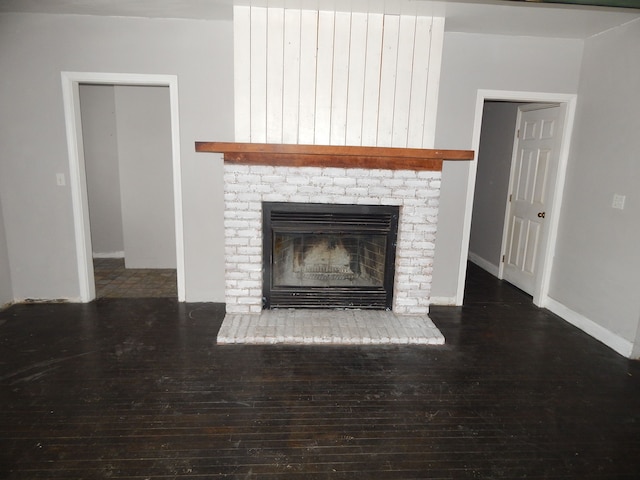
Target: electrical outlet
{"x": 618, "y": 201}
{"x": 61, "y": 181}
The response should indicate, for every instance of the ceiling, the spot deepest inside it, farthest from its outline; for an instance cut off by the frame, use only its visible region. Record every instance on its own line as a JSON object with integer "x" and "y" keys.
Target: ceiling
{"x": 468, "y": 16}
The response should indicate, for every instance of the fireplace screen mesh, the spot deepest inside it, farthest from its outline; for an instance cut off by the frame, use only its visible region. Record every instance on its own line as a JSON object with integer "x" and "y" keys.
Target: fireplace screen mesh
{"x": 320, "y": 256}
{"x": 328, "y": 260}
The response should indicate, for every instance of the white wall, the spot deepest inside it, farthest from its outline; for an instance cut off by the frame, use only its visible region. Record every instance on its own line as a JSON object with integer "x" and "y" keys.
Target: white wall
{"x": 146, "y": 178}
{"x": 6, "y": 291}
{"x": 100, "y": 138}
{"x": 471, "y": 62}
{"x": 595, "y": 273}
{"x": 492, "y": 183}
{"x": 38, "y": 218}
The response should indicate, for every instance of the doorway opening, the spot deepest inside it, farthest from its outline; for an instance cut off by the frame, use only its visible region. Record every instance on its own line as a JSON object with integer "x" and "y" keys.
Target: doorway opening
{"x": 137, "y": 195}
{"x": 491, "y": 235}
{"x": 126, "y": 134}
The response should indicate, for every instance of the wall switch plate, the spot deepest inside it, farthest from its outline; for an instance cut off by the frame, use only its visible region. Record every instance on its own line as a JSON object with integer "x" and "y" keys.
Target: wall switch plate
{"x": 61, "y": 181}
{"x": 618, "y": 201}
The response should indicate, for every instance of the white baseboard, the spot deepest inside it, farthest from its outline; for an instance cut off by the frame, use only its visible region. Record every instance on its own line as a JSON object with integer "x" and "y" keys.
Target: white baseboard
{"x": 446, "y": 301}
{"x": 484, "y": 264}
{"x": 108, "y": 255}
{"x": 597, "y": 331}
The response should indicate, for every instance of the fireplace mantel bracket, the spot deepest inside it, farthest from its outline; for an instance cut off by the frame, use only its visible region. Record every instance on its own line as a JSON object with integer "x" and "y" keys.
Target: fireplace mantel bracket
{"x": 293, "y": 155}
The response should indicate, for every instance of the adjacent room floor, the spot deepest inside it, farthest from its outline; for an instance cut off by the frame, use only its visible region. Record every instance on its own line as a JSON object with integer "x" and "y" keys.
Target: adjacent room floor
{"x": 137, "y": 389}
{"x": 113, "y": 280}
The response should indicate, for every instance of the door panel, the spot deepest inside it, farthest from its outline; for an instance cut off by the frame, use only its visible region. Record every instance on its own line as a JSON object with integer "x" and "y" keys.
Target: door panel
{"x": 534, "y": 164}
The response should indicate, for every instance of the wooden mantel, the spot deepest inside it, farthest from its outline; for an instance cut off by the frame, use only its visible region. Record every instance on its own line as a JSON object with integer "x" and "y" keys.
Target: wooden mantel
{"x": 293, "y": 155}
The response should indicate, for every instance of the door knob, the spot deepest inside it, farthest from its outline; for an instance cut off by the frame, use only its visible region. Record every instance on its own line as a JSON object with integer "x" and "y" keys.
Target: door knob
{"x": 541, "y": 214}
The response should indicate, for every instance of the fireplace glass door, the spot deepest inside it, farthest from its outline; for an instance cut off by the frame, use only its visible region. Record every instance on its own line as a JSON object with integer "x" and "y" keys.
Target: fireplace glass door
{"x": 329, "y": 256}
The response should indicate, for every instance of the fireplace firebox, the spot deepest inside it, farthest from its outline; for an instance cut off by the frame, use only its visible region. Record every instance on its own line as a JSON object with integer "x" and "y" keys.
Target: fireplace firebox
{"x": 328, "y": 255}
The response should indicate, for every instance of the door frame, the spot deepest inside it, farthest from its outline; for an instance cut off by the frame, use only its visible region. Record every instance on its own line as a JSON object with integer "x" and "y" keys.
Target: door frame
{"x": 77, "y": 171}
{"x": 541, "y": 289}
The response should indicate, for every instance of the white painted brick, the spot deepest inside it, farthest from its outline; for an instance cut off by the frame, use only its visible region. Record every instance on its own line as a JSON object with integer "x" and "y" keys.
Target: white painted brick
{"x": 404, "y": 191}
{"x": 235, "y": 223}
{"x": 274, "y": 197}
{"x": 237, "y": 206}
{"x": 424, "y": 245}
{"x": 344, "y": 199}
{"x": 368, "y": 182}
{"x": 238, "y": 259}
{"x": 344, "y": 181}
{"x": 333, "y": 190}
{"x": 404, "y": 174}
{"x": 380, "y": 191}
{"x": 418, "y": 183}
{"x": 334, "y": 172}
{"x": 321, "y": 180}
{"x": 262, "y": 169}
{"x": 250, "y": 197}
{"x": 429, "y": 174}
{"x": 367, "y": 201}
{"x": 309, "y": 190}
{"x": 298, "y": 180}
{"x": 406, "y": 302}
{"x": 381, "y": 173}
{"x": 243, "y": 216}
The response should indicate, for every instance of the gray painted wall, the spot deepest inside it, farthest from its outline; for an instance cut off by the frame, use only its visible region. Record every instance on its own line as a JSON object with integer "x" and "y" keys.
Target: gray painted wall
{"x": 38, "y": 217}
{"x": 597, "y": 262}
{"x": 100, "y": 138}
{"x": 471, "y": 62}
{"x": 146, "y": 179}
{"x": 492, "y": 181}
{"x": 6, "y": 291}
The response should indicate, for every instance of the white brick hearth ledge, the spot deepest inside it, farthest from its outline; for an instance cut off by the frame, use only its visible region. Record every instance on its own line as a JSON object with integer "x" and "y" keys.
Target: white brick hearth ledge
{"x": 337, "y": 327}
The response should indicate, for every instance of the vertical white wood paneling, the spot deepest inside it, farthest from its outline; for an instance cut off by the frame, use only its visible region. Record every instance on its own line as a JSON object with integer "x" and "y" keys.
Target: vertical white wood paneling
{"x": 336, "y": 78}
{"x": 404, "y": 69}
{"x": 308, "y": 60}
{"x": 275, "y": 73}
{"x": 388, "y": 74}
{"x": 324, "y": 77}
{"x": 371, "y": 89}
{"x": 433, "y": 84}
{"x": 242, "y": 72}
{"x": 357, "y": 65}
{"x": 258, "y": 90}
{"x": 419, "y": 82}
{"x": 291, "y": 80}
{"x": 340, "y": 78}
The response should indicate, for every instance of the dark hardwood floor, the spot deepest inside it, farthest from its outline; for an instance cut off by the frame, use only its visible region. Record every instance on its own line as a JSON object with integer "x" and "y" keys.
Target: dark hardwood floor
{"x": 138, "y": 389}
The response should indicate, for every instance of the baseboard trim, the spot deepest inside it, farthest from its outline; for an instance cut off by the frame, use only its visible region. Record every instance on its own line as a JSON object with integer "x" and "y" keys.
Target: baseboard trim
{"x": 610, "y": 339}
{"x": 484, "y": 264}
{"x": 445, "y": 301}
{"x": 108, "y": 255}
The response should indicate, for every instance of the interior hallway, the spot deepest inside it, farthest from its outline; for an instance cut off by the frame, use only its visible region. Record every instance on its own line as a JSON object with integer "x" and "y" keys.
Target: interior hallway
{"x": 137, "y": 388}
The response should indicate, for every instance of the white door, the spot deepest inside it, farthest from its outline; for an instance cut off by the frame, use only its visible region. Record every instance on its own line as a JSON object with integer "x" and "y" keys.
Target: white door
{"x": 533, "y": 172}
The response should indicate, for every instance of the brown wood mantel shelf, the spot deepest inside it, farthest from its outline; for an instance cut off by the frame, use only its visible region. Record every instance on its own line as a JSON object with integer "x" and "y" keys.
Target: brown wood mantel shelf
{"x": 293, "y": 155}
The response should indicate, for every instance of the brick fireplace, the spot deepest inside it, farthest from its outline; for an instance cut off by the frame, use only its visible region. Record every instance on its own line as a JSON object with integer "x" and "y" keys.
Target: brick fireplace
{"x": 258, "y": 173}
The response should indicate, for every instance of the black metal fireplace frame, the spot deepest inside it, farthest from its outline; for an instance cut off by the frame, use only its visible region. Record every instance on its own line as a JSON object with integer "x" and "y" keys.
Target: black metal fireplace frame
{"x": 292, "y": 217}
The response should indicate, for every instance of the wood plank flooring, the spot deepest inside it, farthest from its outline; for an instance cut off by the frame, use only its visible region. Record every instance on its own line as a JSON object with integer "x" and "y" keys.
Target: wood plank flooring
{"x": 137, "y": 389}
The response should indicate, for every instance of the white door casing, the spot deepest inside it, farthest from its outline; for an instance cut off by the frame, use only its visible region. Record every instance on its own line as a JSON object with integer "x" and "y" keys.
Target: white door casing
{"x": 533, "y": 174}
{"x": 77, "y": 174}
{"x": 568, "y": 104}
